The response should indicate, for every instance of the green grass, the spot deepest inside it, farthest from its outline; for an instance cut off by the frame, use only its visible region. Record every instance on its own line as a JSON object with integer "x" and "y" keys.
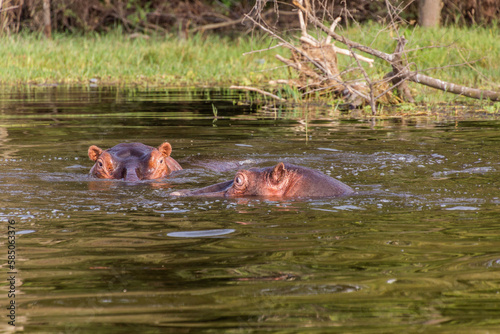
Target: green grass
{"x": 115, "y": 59}
{"x": 211, "y": 60}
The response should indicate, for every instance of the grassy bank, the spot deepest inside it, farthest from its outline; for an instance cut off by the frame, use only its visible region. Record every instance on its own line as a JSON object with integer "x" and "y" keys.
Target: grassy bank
{"x": 166, "y": 61}
{"x": 116, "y": 59}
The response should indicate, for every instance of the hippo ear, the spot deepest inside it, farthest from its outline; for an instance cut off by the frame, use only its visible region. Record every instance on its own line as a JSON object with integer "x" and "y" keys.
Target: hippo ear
{"x": 165, "y": 149}
{"x": 278, "y": 173}
{"x": 94, "y": 152}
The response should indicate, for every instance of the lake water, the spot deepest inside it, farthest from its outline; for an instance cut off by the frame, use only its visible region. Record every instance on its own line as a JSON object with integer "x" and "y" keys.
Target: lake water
{"x": 416, "y": 250}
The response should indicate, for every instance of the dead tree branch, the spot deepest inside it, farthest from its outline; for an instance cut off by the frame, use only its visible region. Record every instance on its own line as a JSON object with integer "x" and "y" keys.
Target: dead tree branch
{"x": 315, "y": 60}
{"x": 453, "y": 88}
{"x": 400, "y": 72}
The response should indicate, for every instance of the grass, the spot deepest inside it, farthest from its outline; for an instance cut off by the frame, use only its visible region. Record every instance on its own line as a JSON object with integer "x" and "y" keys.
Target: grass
{"x": 115, "y": 59}
{"x": 211, "y": 60}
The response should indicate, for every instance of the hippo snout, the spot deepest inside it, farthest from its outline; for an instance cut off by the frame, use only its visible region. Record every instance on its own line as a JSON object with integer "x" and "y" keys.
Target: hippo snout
{"x": 131, "y": 174}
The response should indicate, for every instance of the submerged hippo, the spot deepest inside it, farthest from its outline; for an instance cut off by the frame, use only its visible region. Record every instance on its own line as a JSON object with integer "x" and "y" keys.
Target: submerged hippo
{"x": 281, "y": 181}
{"x": 132, "y": 162}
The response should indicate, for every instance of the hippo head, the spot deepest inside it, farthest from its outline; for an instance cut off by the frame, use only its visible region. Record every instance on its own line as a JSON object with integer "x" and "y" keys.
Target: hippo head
{"x": 132, "y": 162}
{"x": 281, "y": 181}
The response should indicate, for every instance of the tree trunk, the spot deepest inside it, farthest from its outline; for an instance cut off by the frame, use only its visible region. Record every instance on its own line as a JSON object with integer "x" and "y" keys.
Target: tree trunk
{"x": 429, "y": 13}
{"x": 47, "y": 27}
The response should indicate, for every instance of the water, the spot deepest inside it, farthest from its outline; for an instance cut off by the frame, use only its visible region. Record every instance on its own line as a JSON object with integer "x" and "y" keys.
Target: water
{"x": 416, "y": 250}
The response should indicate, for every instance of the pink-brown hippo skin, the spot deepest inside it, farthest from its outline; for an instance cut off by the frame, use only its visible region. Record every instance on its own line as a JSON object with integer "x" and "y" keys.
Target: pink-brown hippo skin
{"x": 132, "y": 162}
{"x": 281, "y": 181}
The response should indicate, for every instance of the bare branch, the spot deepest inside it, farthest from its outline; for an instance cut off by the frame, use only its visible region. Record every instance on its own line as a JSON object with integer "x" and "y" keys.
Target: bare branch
{"x": 453, "y": 88}
{"x": 262, "y": 50}
{"x": 332, "y": 28}
{"x": 326, "y": 75}
{"x": 387, "y": 57}
{"x": 217, "y": 25}
{"x": 370, "y": 84}
{"x": 253, "y": 89}
{"x": 290, "y": 46}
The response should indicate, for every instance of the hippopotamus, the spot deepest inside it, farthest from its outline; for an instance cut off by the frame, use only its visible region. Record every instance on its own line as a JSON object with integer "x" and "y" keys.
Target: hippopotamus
{"x": 281, "y": 181}
{"x": 132, "y": 162}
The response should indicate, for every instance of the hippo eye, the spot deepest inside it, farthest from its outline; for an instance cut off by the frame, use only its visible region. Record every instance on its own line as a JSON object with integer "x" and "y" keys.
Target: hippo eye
{"x": 239, "y": 180}
{"x": 99, "y": 163}
{"x": 161, "y": 161}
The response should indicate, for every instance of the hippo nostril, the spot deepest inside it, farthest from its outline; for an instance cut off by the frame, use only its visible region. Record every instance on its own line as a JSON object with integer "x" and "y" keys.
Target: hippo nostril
{"x": 130, "y": 175}
{"x": 139, "y": 174}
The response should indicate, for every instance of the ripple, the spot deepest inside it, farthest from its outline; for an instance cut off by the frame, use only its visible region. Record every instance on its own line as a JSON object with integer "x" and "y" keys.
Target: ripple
{"x": 25, "y": 232}
{"x": 348, "y": 207}
{"x": 174, "y": 210}
{"x": 200, "y": 234}
{"x": 328, "y": 149}
{"x": 311, "y": 289}
{"x": 463, "y": 208}
{"x": 475, "y": 170}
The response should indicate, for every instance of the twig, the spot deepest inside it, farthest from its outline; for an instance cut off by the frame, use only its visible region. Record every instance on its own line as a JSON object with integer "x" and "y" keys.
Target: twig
{"x": 310, "y": 40}
{"x": 262, "y": 50}
{"x": 332, "y": 28}
{"x": 352, "y": 54}
{"x": 8, "y": 8}
{"x": 253, "y": 89}
{"x": 389, "y": 79}
{"x": 309, "y": 73}
{"x": 302, "y": 21}
{"x": 369, "y": 82}
{"x": 290, "y": 46}
{"x": 469, "y": 63}
{"x": 387, "y": 57}
{"x": 217, "y": 25}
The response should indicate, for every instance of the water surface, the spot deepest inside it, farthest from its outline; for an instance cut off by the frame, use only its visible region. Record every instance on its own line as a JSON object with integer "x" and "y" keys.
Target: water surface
{"x": 416, "y": 250}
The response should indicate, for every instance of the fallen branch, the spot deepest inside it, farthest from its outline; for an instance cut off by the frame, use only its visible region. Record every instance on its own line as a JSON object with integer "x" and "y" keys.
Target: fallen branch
{"x": 399, "y": 71}
{"x": 316, "y": 62}
{"x": 453, "y": 88}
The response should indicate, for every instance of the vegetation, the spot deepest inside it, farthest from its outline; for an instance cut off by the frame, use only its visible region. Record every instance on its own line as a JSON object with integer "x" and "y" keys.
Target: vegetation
{"x": 201, "y": 60}
{"x": 113, "y": 58}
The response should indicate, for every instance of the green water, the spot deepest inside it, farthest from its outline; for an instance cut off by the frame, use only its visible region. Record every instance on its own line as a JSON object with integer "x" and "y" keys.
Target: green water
{"x": 416, "y": 250}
